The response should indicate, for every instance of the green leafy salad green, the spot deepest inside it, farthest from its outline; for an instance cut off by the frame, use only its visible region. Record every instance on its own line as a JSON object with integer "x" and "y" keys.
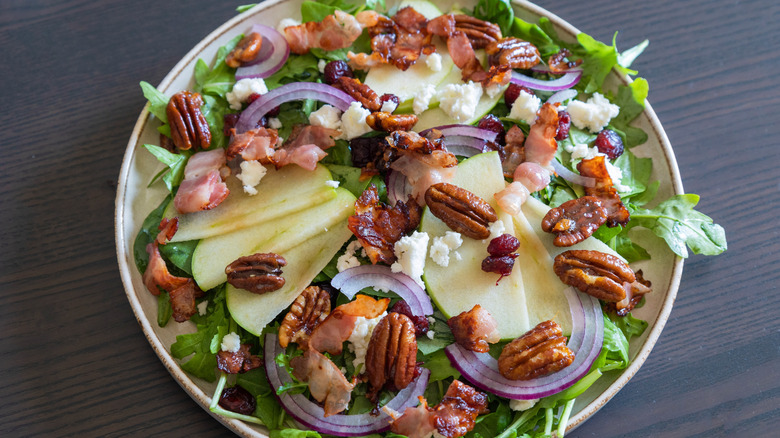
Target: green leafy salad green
{"x": 674, "y": 220}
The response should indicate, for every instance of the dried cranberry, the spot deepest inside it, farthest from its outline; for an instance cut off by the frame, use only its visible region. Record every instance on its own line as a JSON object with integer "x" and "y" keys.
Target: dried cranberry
{"x": 609, "y": 142}
{"x": 511, "y": 93}
{"x": 564, "y": 123}
{"x": 238, "y": 399}
{"x": 262, "y": 123}
{"x": 420, "y": 322}
{"x": 387, "y": 97}
{"x": 252, "y": 97}
{"x": 501, "y": 265}
{"x": 502, "y": 245}
{"x": 230, "y": 122}
{"x": 335, "y": 70}
{"x": 369, "y": 150}
{"x": 493, "y": 124}
{"x": 273, "y": 112}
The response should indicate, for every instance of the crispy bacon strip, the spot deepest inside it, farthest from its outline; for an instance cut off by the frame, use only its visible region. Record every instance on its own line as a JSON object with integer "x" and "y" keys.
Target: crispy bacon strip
{"x": 475, "y": 329}
{"x": 596, "y": 167}
{"x": 415, "y": 422}
{"x": 424, "y": 162}
{"x": 256, "y": 144}
{"x": 514, "y": 151}
{"x": 337, "y": 327}
{"x": 238, "y": 362}
{"x": 334, "y": 32}
{"x": 378, "y": 226}
{"x": 305, "y": 146}
{"x": 182, "y": 298}
{"x": 540, "y": 146}
{"x": 326, "y": 382}
{"x": 398, "y": 41}
{"x": 202, "y": 187}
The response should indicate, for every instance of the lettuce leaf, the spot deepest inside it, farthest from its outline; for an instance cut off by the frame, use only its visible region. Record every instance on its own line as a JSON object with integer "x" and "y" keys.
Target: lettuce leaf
{"x": 499, "y": 12}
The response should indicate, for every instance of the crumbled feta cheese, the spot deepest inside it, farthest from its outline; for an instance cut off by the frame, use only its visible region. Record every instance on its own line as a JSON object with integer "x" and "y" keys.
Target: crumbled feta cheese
{"x": 388, "y": 106}
{"x": 441, "y": 247}
{"x": 411, "y": 251}
{"x": 431, "y": 320}
{"x": 332, "y": 183}
{"x": 582, "y": 151}
{"x": 202, "y": 306}
{"x": 522, "y": 405}
{"x": 348, "y": 259}
{"x": 321, "y": 65}
{"x": 231, "y": 343}
{"x": 525, "y": 107}
{"x": 353, "y": 121}
{"x": 460, "y": 101}
{"x": 496, "y": 229}
{"x": 422, "y": 99}
{"x": 243, "y": 89}
{"x": 492, "y": 90}
{"x": 279, "y": 141}
{"x": 286, "y": 22}
{"x": 594, "y": 114}
{"x": 360, "y": 337}
{"x": 327, "y": 116}
{"x": 430, "y": 334}
{"x": 616, "y": 175}
{"x": 433, "y": 61}
{"x": 274, "y": 123}
{"x": 251, "y": 174}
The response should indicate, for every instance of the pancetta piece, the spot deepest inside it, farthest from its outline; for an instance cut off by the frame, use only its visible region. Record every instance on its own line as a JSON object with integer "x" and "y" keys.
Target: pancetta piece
{"x": 327, "y": 383}
{"x": 305, "y": 146}
{"x": 255, "y": 144}
{"x": 596, "y": 168}
{"x": 414, "y": 422}
{"x": 424, "y": 162}
{"x": 398, "y": 41}
{"x": 514, "y": 151}
{"x": 330, "y": 335}
{"x": 202, "y": 187}
{"x": 540, "y": 146}
{"x": 239, "y": 362}
{"x": 334, "y": 32}
{"x": 475, "y": 329}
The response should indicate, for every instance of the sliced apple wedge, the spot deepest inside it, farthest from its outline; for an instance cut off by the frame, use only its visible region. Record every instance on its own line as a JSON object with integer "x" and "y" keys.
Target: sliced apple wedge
{"x": 281, "y": 193}
{"x": 253, "y": 312}
{"x": 213, "y": 254}
{"x": 437, "y": 117}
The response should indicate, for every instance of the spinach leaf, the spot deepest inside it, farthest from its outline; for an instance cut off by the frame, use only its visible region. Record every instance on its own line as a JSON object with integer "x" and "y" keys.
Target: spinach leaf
{"x": 616, "y": 345}
{"x": 298, "y": 68}
{"x": 628, "y": 325}
{"x": 497, "y": 11}
{"x": 440, "y": 366}
{"x": 175, "y": 163}
{"x": 294, "y": 433}
{"x": 218, "y": 79}
{"x": 628, "y": 249}
{"x": 599, "y": 61}
{"x": 631, "y": 100}
{"x": 147, "y": 234}
{"x": 180, "y": 254}
{"x": 636, "y": 173}
{"x": 214, "y": 110}
{"x": 164, "y": 309}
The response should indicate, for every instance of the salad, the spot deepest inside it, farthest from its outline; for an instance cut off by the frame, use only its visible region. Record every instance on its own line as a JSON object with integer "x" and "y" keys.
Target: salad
{"x": 398, "y": 221}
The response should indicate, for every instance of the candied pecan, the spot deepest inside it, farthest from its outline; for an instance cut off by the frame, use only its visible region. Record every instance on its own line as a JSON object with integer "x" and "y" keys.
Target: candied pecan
{"x": 391, "y": 357}
{"x": 480, "y": 33}
{"x": 461, "y": 210}
{"x": 239, "y": 362}
{"x": 634, "y": 293}
{"x": 189, "y": 128}
{"x": 559, "y": 62}
{"x": 258, "y": 273}
{"x": 360, "y": 92}
{"x": 307, "y": 312}
{"x": 539, "y": 352}
{"x": 513, "y": 52}
{"x": 381, "y": 121}
{"x": 596, "y": 167}
{"x": 594, "y": 273}
{"x": 575, "y": 220}
{"x": 475, "y": 329}
{"x": 245, "y": 51}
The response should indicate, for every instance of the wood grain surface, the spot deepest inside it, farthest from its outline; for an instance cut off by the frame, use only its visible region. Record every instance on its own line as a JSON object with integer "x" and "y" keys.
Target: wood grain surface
{"x": 74, "y": 361}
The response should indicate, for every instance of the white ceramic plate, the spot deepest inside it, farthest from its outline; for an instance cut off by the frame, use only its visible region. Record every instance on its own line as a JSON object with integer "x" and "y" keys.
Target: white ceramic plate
{"x": 134, "y": 201}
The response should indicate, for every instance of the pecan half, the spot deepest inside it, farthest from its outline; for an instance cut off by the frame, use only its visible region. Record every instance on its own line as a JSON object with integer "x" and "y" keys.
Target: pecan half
{"x": 594, "y": 273}
{"x": 480, "y": 33}
{"x": 391, "y": 357}
{"x": 575, "y": 220}
{"x": 461, "y": 210}
{"x": 559, "y": 62}
{"x": 513, "y": 52}
{"x": 381, "y": 121}
{"x": 245, "y": 51}
{"x": 258, "y": 273}
{"x": 539, "y": 352}
{"x": 307, "y": 312}
{"x": 189, "y": 128}
{"x": 360, "y": 92}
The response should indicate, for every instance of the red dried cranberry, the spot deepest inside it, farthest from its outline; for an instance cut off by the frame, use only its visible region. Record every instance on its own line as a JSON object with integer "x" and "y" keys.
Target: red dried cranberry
{"x": 501, "y": 265}
{"x": 387, "y": 97}
{"x": 609, "y": 142}
{"x": 238, "y": 399}
{"x": 273, "y": 112}
{"x": 230, "y": 122}
{"x": 493, "y": 124}
{"x": 511, "y": 93}
{"x": 502, "y": 245}
{"x": 420, "y": 322}
{"x": 252, "y": 97}
{"x": 367, "y": 150}
{"x": 335, "y": 70}
{"x": 262, "y": 123}
{"x": 564, "y": 123}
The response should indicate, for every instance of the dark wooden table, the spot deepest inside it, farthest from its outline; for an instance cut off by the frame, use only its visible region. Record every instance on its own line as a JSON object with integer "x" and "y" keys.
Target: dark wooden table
{"x": 73, "y": 360}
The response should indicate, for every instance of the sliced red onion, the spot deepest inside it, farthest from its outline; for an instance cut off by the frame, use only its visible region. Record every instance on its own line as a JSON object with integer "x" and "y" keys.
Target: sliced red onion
{"x": 562, "y": 96}
{"x": 310, "y": 415}
{"x": 289, "y": 92}
{"x": 564, "y": 82}
{"x": 280, "y": 50}
{"x": 464, "y": 131}
{"x": 481, "y": 369}
{"x": 570, "y": 176}
{"x": 265, "y": 52}
{"x": 353, "y": 280}
{"x": 542, "y": 68}
{"x": 398, "y": 187}
{"x": 463, "y": 145}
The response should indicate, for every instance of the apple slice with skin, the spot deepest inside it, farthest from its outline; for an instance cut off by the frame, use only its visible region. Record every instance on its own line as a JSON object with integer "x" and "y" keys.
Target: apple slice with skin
{"x": 280, "y": 193}
{"x": 304, "y": 261}
{"x": 434, "y": 117}
{"x": 213, "y": 254}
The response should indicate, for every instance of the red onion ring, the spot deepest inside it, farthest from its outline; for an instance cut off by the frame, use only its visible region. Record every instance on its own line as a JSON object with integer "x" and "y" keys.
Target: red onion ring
{"x": 465, "y": 131}
{"x": 464, "y": 146}
{"x": 570, "y": 176}
{"x": 586, "y": 341}
{"x": 289, "y": 92}
{"x": 352, "y": 280}
{"x": 398, "y": 188}
{"x": 280, "y": 50}
{"x": 562, "y": 96}
{"x": 564, "y": 82}
{"x": 542, "y": 68}
{"x": 311, "y": 415}
{"x": 265, "y": 52}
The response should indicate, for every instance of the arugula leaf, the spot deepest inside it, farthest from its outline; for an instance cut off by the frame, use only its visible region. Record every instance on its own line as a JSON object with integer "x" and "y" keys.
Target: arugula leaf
{"x": 631, "y": 100}
{"x": 244, "y": 8}
{"x": 440, "y": 366}
{"x": 616, "y": 345}
{"x": 599, "y": 61}
{"x": 147, "y": 234}
{"x": 534, "y": 34}
{"x": 316, "y": 11}
{"x": 628, "y": 249}
{"x": 636, "y": 173}
{"x": 214, "y": 110}
{"x": 675, "y": 221}
{"x": 175, "y": 163}
{"x": 298, "y": 68}
{"x": 294, "y": 433}
{"x": 628, "y": 325}
{"x": 628, "y": 57}
{"x": 157, "y": 101}
{"x": 219, "y": 79}
{"x": 499, "y": 12}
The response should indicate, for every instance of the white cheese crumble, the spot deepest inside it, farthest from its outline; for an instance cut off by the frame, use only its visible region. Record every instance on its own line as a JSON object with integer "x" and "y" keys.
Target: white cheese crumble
{"x": 251, "y": 174}
{"x": 460, "y": 101}
{"x": 353, "y": 121}
{"x": 389, "y": 106}
{"x": 433, "y": 61}
{"x": 430, "y": 334}
{"x": 582, "y": 151}
{"x": 594, "y": 114}
{"x": 231, "y": 343}
{"x": 441, "y": 247}
{"x": 496, "y": 229}
{"x": 274, "y": 123}
{"x": 321, "y": 65}
{"x": 243, "y": 89}
{"x": 327, "y": 116}
{"x": 522, "y": 405}
{"x": 348, "y": 259}
{"x": 422, "y": 99}
{"x": 525, "y": 107}
{"x": 492, "y": 90}
{"x": 411, "y": 251}
{"x": 431, "y": 320}
{"x": 360, "y": 337}
{"x": 202, "y": 306}
{"x": 332, "y": 183}
{"x": 286, "y": 22}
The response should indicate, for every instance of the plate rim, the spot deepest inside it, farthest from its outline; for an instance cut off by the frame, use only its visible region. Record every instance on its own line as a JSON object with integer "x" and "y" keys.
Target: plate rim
{"x": 244, "y": 429}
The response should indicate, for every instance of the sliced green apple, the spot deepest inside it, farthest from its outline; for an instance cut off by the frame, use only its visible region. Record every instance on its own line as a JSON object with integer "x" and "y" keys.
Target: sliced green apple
{"x": 437, "y": 117}
{"x": 426, "y": 8}
{"x": 253, "y": 312}
{"x": 280, "y": 193}
{"x": 213, "y": 254}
